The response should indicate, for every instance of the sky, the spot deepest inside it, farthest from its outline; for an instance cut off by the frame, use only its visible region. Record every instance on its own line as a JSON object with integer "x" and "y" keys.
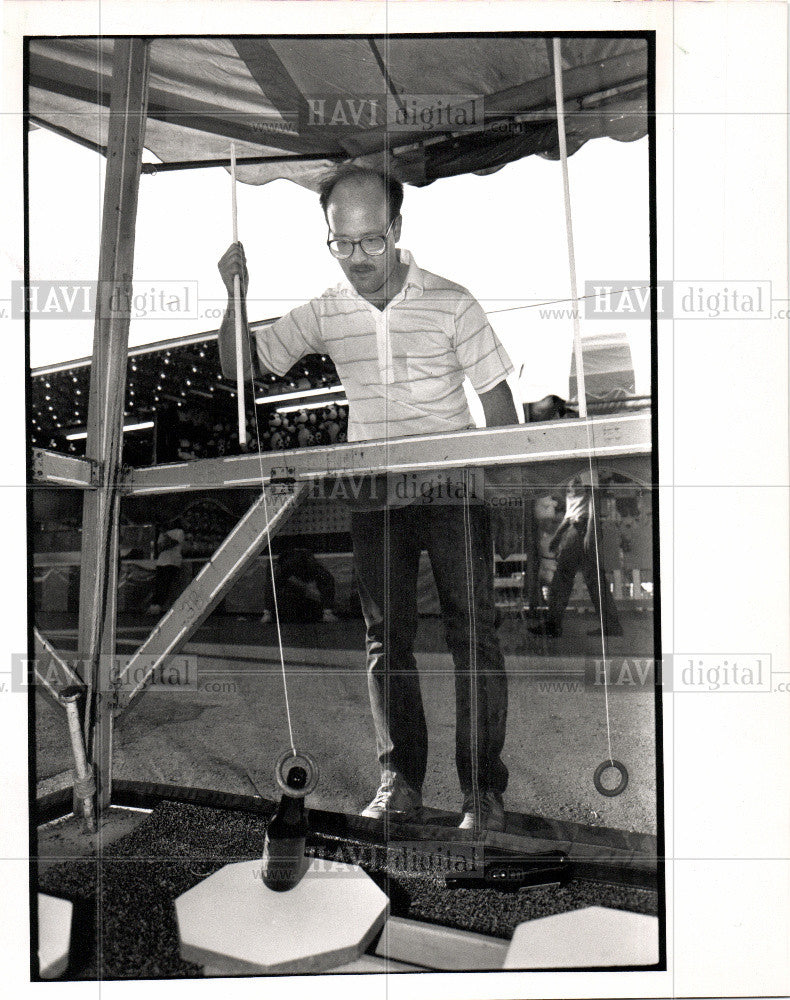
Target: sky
{"x": 503, "y": 236}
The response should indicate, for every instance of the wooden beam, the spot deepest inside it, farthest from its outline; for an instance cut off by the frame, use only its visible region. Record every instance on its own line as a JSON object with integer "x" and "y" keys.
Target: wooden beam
{"x": 619, "y": 436}
{"x": 240, "y": 548}
{"x": 99, "y": 562}
{"x": 368, "y": 963}
{"x": 443, "y": 948}
{"x": 62, "y": 470}
{"x": 100, "y": 735}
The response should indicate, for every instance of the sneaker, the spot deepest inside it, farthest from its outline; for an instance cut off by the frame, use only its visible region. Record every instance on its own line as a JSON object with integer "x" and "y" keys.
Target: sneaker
{"x": 490, "y": 814}
{"x": 395, "y": 800}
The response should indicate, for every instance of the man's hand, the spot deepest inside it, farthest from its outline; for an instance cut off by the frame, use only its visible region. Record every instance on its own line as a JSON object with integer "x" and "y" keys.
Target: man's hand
{"x": 231, "y": 263}
{"x": 234, "y": 262}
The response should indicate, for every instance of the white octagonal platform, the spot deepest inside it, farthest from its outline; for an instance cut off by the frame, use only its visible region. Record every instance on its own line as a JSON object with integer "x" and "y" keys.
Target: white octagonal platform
{"x": 592, "y": 936}
{"x": 233, "y": 924}
{"x": 54, "y": 935}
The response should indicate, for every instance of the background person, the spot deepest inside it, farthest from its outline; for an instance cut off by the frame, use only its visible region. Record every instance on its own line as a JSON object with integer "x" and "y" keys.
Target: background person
{"x": 170, "y": 557}
{"x": 305, "y": 589}
{"x": 575, "y": 548}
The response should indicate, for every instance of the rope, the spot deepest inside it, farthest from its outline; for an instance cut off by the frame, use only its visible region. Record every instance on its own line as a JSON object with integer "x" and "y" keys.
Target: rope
{"x": 600, "y": 581}
{"x": 579, "y": 357}
{"x": 274, "y": 594}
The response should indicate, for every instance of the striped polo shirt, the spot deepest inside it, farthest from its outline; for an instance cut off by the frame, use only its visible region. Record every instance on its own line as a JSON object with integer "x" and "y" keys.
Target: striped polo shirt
{"x": 402, "y": 367}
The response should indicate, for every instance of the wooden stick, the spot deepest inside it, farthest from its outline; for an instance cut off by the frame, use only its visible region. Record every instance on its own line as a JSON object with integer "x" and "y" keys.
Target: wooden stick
{"x": 581, "y": 388}
{"x": 237, "y": 310}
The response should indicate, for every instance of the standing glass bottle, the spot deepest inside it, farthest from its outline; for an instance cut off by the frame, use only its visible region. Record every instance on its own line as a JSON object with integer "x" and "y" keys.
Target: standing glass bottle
{"x": 284, "y": 861}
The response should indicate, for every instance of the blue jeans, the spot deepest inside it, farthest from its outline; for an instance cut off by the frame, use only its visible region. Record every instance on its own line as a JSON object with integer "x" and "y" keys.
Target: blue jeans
{"x": 387, "y": 547}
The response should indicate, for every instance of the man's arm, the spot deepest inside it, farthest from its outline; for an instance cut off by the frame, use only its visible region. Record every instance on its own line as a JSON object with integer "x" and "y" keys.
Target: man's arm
{"x": 227, "y": 344}
{"x": 498, "y": 405}
{"x": 499, "y": 410}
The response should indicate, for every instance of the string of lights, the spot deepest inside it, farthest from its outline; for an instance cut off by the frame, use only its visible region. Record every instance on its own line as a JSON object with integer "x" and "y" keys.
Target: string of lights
{"x": 179, "y": 406}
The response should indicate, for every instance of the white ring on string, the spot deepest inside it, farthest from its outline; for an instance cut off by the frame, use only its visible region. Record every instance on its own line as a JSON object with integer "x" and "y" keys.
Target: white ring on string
{"x": 285, "y": 764}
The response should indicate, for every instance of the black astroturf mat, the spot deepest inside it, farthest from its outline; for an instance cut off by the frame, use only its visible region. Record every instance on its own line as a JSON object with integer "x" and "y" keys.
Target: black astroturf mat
{"x": 125, "y": 921}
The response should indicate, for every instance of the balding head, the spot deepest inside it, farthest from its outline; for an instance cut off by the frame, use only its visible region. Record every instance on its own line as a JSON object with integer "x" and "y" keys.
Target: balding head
{"x": 361, "y": 182}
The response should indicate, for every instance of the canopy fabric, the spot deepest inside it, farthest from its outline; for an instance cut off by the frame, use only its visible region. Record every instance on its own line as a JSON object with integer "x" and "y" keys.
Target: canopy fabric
{"x": 424, "y": 107}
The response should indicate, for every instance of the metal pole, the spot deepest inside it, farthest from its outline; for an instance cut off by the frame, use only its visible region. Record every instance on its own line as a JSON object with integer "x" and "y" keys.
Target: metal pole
{"x": 84, "y": 786}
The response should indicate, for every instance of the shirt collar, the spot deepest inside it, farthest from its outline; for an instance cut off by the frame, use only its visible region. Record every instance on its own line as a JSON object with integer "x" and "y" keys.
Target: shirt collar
{"x": 413, "y": 285}
{"x": 414, "y": 279}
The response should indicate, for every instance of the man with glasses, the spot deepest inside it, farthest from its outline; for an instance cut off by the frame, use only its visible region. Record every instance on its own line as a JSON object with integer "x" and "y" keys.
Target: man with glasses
{"x": 403, "y": 340}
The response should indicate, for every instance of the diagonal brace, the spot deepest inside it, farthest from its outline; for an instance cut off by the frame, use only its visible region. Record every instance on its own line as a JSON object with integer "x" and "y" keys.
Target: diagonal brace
{"x": 262, "y": 520}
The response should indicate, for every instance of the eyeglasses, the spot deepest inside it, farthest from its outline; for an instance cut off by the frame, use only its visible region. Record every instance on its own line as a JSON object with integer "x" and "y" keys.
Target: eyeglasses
{"x": 373, "y": 246}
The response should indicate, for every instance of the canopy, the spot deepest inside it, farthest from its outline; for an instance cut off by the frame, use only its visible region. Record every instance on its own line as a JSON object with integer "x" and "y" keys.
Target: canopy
{"x": 424, "y": 107}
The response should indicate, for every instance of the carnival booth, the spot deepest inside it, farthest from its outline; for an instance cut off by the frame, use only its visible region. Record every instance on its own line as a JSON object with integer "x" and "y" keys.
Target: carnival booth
{"x": 185, "y": 730}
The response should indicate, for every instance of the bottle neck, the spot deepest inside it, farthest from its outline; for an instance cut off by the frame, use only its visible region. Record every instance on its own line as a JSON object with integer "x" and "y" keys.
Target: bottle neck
{"x": 290, "y": 815}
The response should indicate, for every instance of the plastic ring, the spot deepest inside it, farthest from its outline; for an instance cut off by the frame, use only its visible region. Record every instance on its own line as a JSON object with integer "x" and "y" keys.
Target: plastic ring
{"x": 282, "y": 769}
{"x": 618, "y": 789}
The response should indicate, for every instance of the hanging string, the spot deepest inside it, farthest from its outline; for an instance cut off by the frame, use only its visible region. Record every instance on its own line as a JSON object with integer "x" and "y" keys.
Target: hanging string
{"x": 274, "y": 592}
{"x": 579, "y": 359}
{"x": 242, "y": 440}
{"x": 544, "y": 303}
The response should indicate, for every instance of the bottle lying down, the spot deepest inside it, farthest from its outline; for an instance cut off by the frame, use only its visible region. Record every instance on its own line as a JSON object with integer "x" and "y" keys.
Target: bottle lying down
{"x": 510, "y": 873}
